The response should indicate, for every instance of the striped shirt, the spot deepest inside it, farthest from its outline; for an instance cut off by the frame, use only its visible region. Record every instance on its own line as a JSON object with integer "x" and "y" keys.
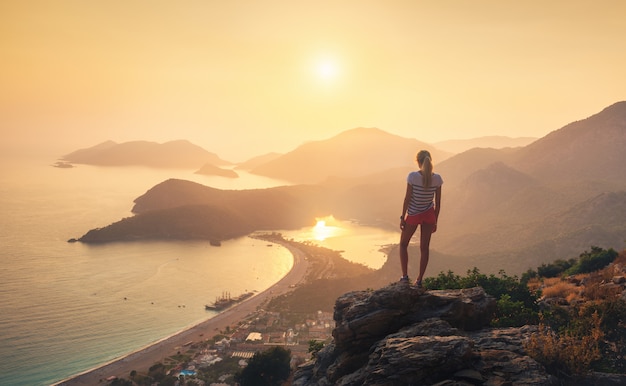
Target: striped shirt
{"x": 422, "y": 198}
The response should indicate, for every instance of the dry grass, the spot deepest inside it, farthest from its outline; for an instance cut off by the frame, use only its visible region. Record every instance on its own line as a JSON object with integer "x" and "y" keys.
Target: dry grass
{"x": 535, "y": 284}
{"x": 621, "y": 258}
{"x": 550, "y": 281}
{"x": 562, "y": 289}
{"x": 574, "y": 352}
{"x": 566, "y": 353}
{"x": 596, "y": 287}
{"x": 596, "y": 291}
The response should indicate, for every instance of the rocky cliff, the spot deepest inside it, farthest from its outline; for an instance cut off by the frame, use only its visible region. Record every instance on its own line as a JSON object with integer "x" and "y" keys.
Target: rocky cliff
{"x": 399, "y": 335}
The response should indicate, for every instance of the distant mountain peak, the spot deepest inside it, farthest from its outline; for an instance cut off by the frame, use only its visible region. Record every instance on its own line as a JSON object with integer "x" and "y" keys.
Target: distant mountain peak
{"x": 613, "y": 114}
{"x": 617, "y": 107}
{"x": 351, "y": 153}
{"x": 362, "y": 131}
{"x": 363, "y": 134}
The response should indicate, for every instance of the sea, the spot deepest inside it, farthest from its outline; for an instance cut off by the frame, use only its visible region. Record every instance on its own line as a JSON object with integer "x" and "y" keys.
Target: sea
{"x": 66, "y": 308}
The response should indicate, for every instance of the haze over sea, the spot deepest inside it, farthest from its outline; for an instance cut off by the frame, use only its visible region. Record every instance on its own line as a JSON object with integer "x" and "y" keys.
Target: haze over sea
{"x": 68, "y": 307}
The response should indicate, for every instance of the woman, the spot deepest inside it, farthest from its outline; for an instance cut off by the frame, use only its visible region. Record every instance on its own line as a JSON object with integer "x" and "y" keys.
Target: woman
{"x": 421, "y": 206}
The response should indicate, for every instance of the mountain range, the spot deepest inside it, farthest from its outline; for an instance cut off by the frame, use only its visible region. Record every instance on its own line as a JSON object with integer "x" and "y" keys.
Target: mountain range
{"x": 493, "y": 141}
{"x": 509, "y": 208}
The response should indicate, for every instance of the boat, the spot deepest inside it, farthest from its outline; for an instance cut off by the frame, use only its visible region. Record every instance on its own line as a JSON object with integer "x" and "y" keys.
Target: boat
{"x": 243, "y": 296}
{"x": 225, "y": 301}
{"x": 221, "y": 302}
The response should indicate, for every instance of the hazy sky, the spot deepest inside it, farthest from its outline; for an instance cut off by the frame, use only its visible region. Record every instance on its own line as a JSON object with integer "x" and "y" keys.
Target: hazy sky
{"x": 242, "y": 78}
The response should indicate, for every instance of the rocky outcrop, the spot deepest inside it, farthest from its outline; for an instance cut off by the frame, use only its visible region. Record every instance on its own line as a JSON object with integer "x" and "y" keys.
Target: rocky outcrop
{"x": 399, "y": 335}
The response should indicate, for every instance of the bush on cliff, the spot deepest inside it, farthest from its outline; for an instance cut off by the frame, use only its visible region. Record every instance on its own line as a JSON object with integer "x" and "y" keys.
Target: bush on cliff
{"x": 516, "y": 304}
{"x": 586, "y": 332}
{"x": 588, "y": 261}
{"x": 594, "y": 260}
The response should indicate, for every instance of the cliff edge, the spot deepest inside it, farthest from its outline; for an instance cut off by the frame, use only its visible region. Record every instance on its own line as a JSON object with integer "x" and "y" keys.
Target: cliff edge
{"x": 399, "y": 335}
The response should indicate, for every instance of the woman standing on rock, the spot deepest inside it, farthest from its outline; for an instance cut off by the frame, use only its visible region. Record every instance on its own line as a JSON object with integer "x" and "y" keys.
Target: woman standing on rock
{"x": 421, "y": 206}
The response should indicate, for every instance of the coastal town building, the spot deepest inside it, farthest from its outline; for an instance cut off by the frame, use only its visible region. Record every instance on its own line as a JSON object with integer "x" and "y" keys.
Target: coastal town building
{"x": 258, "y": 333}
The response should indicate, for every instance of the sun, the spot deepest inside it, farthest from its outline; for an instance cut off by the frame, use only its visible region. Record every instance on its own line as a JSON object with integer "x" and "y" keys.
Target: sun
{"x": 327, "y": 69}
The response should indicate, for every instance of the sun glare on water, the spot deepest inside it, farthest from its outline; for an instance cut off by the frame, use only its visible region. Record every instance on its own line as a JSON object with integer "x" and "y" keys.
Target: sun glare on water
{"x": 322, "y": 231}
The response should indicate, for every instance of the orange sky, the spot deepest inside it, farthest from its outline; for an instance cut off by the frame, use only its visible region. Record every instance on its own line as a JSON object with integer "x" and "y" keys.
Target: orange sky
{"x": 242, "y": 78}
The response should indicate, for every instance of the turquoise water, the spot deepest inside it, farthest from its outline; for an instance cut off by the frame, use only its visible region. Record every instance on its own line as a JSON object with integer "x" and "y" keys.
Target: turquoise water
{"x": 68, "y": 307}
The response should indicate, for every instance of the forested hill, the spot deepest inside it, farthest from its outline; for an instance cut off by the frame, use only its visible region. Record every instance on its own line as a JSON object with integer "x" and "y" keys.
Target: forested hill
{"x": 178, "y": 209}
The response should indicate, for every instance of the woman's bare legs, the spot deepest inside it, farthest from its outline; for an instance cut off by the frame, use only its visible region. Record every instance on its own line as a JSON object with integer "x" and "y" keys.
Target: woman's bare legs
{"x": 405, "y": 238}
{"x": 425, "y": 234}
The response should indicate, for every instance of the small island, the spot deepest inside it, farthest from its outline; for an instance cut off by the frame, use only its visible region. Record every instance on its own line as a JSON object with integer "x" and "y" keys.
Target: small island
{"x": 212, "y": 170}
{"x": 63, "y": 165}
{"x": 173, "y": 154}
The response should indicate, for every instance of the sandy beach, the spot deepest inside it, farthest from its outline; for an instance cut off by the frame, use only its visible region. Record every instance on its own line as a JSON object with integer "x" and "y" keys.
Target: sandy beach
{"x": 142, "y": 359}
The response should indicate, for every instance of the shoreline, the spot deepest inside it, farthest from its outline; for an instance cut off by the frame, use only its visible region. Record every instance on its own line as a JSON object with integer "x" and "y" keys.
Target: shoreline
{"x": 142, "y": 358}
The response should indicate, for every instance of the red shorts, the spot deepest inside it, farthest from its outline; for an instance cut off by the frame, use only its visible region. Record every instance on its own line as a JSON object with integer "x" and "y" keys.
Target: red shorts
{"x": 426, "y": 217}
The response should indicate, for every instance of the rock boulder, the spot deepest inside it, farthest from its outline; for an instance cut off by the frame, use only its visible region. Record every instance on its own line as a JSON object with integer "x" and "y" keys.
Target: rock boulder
{"x": 400, "y": 335}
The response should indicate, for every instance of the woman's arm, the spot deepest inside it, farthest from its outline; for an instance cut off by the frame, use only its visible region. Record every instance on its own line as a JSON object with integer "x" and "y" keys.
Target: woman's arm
{"x": 437, "y": 207}
{"x": 437, "y": 201}
{"x": 405, "y": 203}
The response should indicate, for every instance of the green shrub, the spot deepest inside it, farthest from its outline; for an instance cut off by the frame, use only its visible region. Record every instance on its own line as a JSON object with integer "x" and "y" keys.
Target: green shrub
{"x": 213, "y": 373}
{"x": 555, "y": 268}
{"x": 526, "y": 276}
{"x": 511, "y": 313}
{"x": 516, "y": 304}
{"x": 266, "y": 368}
{"x": 592, "y": 261}
{"x": 314, "y": 347}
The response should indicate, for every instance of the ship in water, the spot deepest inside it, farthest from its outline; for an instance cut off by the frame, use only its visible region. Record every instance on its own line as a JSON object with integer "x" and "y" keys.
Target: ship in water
{"x": 225, "y": 301}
